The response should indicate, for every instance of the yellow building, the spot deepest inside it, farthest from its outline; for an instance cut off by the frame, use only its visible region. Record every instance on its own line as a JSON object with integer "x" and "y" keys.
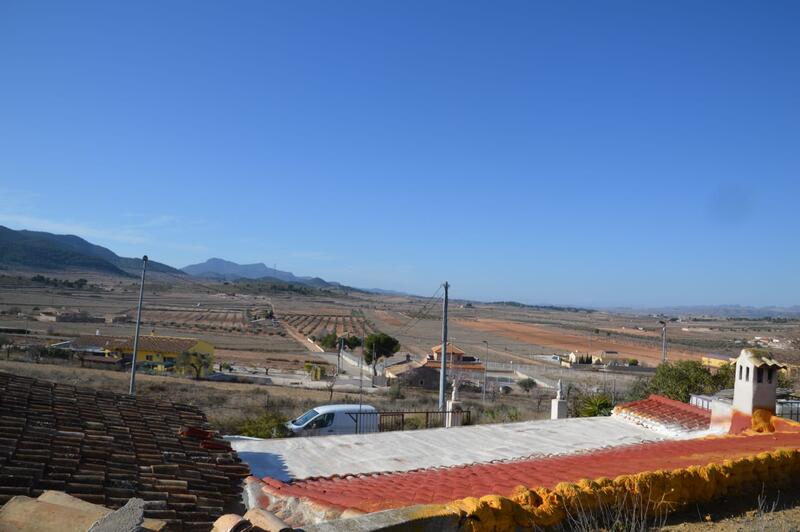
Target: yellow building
{"x": 717, "y": 361}
{"x": 157, "y": 352}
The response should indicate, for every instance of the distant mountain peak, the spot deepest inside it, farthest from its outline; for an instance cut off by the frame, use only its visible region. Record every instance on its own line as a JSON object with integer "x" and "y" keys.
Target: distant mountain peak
{"x": 217, "y": 268}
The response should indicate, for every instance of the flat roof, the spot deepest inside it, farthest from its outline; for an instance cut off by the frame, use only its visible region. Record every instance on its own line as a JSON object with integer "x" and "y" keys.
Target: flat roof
{"x": 306, "y": 457}
{"x": 371, "y": 493}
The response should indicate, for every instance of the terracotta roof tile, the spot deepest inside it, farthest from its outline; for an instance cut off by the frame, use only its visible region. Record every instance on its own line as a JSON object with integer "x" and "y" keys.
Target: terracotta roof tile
{"x": 660, "y": 412}
{"x": 105, "y": 448}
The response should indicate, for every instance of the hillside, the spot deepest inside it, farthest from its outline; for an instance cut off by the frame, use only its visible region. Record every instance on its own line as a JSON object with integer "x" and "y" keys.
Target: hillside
{"x": 226, "y": 270}
{"x": 37, "y": 250}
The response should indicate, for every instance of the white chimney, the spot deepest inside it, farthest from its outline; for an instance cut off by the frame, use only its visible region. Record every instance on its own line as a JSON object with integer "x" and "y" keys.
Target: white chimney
{"x": 756, "y": 381}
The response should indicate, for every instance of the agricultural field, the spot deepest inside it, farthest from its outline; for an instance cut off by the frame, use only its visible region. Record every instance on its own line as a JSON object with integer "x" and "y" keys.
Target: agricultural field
{"x": 214, "y": 318}
{"x": 320, "y": 324}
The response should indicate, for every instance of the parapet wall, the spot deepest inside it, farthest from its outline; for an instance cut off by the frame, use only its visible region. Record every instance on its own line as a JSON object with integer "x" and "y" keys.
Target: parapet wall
{"x": 656, "y": 493}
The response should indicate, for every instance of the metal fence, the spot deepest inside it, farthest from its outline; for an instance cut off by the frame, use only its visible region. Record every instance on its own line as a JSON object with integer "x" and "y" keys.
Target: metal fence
{"x": 367, "y": 422}
{"x": 701, "y": 401}
{"x": 788, "y": 409}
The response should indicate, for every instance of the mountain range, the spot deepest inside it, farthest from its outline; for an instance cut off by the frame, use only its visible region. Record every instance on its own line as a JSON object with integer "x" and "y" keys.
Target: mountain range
{"x": 41, "y": 251}
{"x": 37, "y": 250}
{"x": 226, "y": 270}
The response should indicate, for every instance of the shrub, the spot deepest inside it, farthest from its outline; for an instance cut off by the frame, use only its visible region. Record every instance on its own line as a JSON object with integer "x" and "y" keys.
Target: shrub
{"x": 268, "y": 425}
{"x": 395, "y": 392}
{"x": 329, "y": 341}
{"x": 595, "y": 405}
{"x": 527, "y": 385}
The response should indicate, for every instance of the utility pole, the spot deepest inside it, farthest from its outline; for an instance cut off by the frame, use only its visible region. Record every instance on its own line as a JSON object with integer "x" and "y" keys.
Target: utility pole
{"x": 360, "y": 378}
{"x": 663, "y": 340}
{"x": 339, "y": 356}
{"x": 485, "y": 370}
{"x": 132, "y": 390}
{"x": 443, "y": 371}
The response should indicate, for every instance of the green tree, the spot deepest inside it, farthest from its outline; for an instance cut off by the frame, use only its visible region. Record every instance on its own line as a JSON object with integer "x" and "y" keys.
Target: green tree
{"x": 785, "y": 380}
{"x": 594, "y": 405}
{"x": 725, "y": 376}
{"x": 196, "y": 363}
{"x": 378, "y": 346}
{"x": 527, "y": 385}
{"x": 679, "y": 380}
{"x": 352, "y": 341}
{"x": 329, "y": 341}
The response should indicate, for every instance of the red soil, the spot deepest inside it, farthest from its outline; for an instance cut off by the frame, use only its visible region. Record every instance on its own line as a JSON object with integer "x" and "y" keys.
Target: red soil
{"x": 572, "y": 341}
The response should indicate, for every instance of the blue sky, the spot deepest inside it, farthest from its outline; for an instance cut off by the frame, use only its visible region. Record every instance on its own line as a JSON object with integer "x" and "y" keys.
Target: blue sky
{"x": 592, "y": 153}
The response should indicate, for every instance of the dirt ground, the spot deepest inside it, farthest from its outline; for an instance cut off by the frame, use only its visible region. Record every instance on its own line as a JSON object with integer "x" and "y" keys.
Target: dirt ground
{"x": 771, "y": 510}
{"x": 271, "y": 360}
{"x": 390, "y": 318}
{"x": 561, "y": 339}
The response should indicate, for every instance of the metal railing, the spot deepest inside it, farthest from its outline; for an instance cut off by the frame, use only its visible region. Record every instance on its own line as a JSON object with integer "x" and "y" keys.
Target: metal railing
{"x": 701, "y": 401}
{"x": 368, "y": 422}
{"x": 788, "y": 410}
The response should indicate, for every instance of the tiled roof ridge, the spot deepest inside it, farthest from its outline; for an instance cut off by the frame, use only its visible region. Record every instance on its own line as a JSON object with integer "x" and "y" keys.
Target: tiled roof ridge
{"x": 661, "y": 414}
{"x": 690, "y": 408}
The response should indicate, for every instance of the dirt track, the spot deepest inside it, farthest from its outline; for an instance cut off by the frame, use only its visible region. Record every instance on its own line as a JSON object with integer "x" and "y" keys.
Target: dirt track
{"x": 572, "y": 341}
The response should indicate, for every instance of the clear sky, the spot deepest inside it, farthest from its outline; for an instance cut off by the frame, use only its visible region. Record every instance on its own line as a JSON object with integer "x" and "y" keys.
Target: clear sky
{"x": 591, "y": 153}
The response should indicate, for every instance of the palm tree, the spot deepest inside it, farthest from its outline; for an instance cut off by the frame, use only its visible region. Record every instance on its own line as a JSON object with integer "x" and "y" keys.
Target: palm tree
{"x": 596, "y": 405}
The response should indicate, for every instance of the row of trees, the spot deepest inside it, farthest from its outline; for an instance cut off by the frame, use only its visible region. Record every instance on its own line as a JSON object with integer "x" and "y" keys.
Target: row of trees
{"x": 332, "y": 340}
{"x": 64, "y": 283}
{"x": 375, "y": 346}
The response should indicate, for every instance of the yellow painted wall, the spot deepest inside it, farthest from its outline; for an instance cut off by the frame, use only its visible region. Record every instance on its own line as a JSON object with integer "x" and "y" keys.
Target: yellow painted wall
{"x": 159, "y": 357}
{"x": 712, "y": 362}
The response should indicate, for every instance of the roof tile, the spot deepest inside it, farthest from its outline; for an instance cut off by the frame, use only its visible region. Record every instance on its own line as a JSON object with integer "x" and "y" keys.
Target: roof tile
{"x": 106, "y": 448}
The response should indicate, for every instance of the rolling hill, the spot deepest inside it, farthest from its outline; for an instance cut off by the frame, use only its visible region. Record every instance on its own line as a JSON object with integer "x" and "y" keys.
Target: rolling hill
{"x": 38, "y": 250}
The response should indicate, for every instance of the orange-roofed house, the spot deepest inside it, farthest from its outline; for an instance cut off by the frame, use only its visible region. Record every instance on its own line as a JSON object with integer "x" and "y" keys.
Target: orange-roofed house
{"x": 454, "y": 353}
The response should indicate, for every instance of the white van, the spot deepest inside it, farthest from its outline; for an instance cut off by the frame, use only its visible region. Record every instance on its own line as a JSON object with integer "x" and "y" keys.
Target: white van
{"x": 329, "y": 420}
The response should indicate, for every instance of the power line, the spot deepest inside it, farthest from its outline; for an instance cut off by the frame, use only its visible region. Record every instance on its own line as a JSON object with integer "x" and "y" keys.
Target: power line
{"x": 423, "y": 312}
